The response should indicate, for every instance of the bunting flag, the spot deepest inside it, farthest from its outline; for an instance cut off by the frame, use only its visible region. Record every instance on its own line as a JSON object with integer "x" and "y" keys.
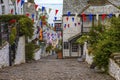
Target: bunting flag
{"x": 103, "y": 16}
{"x": 68, "y": 25}
{"x": 97, "y": 17}
{"x": 52, "y": 24}
{"x": 55, "y": 18}
{"x": 90, "y": 17}
{"x": 22, "y": 2}
{"x": 32, "y": 16}
{"x": 43, "y": 17}
{"x": 110, "y": 15}
{"x": 43, "y": 8}
{"x": 41, "y": 34}
{"x": 84, "y": 17}
{"x": 76, "y": 14}
{"x": 29, "y": 4}
{"x": 49, "y": 10}
{"x": 75, "y": 24}
{"x": 18, "y": 1}
{"x": 72, "y": 19}
{"x": 65, "y": 26}
{"x": 27, "y": 14}
{"x": 11, "y": 11}
{"x": 67, "y": 18}
{"x": 69, "y": 13}
{"x": 36, "y": 6}
{"x": 56, "y": 11}
{"x": 40, "y": 23}
{"x": 78, "y": 23}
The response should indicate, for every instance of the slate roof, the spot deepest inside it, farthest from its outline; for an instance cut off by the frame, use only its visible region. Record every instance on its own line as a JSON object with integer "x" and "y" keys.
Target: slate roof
{"x": 79, "y": 6}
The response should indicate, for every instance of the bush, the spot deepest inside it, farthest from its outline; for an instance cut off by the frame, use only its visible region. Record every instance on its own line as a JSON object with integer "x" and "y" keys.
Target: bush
{"x": 29, "y": 51}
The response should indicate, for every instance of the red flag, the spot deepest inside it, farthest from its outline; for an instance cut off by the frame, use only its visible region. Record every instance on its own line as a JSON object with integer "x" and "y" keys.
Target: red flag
{"x": 27, "y": 14}
{"x": 67, "y": 18}
{"x": 103, "y": 16}
{"x": 56, "y": 11}
{"x": 84, "y": 17}
{"x": 18, "y": 1}
{"x": 36, "y": 6}
{"x": 11, "y": 11}
{"x": 68, "y": 25}
{"x": 43, "y": 17}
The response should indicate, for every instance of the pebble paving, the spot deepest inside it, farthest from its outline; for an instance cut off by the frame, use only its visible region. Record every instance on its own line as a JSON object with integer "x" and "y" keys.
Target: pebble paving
{"x": 52, "y": 69}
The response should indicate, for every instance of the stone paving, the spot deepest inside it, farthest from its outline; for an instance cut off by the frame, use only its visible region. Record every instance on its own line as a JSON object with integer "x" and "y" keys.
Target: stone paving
{"x": 52, "y": 69}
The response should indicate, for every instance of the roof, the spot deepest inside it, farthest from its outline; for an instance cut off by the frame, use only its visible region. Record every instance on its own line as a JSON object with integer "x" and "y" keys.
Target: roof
{"x": 79, "y": 6}
{"x": 75, "y": 37}
{"x": 74, "y": 6}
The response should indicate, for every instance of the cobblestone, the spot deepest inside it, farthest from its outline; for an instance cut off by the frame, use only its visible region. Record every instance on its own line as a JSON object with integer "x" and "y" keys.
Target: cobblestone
{"x": 52, "y": 69}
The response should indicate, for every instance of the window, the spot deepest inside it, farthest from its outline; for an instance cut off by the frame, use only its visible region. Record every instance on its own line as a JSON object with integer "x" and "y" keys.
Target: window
{"x": 3, "y": 9}
{"x": 74, "y": 48}
{"x": 1, "y": 1}
{"x": 66, "y": 45}
{"x": 58, "y": 26}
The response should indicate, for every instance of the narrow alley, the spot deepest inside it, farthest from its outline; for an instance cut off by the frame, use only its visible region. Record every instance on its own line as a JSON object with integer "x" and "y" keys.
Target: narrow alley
{"x": 51, "y": 68}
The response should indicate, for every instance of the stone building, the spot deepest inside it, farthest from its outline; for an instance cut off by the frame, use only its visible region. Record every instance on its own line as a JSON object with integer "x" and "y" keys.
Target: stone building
{"x": 72, "y": 30}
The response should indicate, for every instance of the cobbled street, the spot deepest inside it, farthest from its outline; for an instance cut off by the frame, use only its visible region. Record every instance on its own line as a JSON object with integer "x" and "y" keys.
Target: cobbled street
{"x": 52, "y": 69}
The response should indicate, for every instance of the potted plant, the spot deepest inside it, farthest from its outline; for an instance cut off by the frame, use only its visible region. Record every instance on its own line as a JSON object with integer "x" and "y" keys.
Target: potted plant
{"x": 58, "y": 51}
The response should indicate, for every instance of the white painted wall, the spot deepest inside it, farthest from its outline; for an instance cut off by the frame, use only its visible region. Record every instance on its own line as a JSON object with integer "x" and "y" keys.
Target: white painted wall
{"x": 4, "y": 56}
{"x": 20, "y": 56}
{"x": 37, "y": 54}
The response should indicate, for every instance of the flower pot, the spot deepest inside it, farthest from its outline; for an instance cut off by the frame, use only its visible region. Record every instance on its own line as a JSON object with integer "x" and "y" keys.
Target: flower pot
{"x": 59, "y": 55}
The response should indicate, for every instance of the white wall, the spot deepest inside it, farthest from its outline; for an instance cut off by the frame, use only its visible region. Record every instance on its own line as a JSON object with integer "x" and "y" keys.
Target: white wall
{"x": 4, "y": 56}
{"x": 37, "y": 54}
{"x": 20, "y": 56}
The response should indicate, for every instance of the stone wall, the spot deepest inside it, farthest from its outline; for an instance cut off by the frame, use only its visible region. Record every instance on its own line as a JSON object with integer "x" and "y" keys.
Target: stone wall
{"x": 114, "y": 69}
{"x": 4, "y": 56}
{"x": 37, "y": 54}
{"x": 20, "y": 56}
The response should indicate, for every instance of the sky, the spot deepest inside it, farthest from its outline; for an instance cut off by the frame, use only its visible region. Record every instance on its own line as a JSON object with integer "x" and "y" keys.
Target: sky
{"x": 53, "y": 4}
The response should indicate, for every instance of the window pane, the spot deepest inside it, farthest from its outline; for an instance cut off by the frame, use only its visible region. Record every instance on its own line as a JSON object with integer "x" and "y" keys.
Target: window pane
{"x": 74, "y": 48}
{"x": 66, "y": 45}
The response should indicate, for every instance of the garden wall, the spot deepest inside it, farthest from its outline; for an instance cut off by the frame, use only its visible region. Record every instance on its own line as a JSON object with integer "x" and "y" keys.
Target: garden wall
{"x": 20, "y": 56}
{"x": 4, "y": 56}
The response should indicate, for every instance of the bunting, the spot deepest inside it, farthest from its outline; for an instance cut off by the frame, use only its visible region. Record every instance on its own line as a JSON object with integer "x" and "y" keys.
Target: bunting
{"x": 50, "y": 10}
{"x": 56, "y": 11}
{"x": 55, "y": 18}
{"x": 84, "y": 17}
{"x": 11, "y": 11}
{"x": 75, "y": 24}
{"x": 110, "y": 15}
{"x": 72, "y": 19}
{"x": 36, "y": 6}
{"x": 22, "y": 2}
{"x": 67, "y": 18}
{"x": 43, "y": 8}
{"x": 18, "y": 1}
{"x": 103, "y": 16}
{"x": 90, "y": 17}
{"x": 27, "y": 14}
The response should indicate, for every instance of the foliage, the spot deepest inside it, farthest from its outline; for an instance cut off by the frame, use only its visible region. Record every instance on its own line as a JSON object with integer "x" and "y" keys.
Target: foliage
{"x": 104, "y": 40}
{"x": 49, "y": 48}
{"x": 13, "y": 35}
{"x": 29, "y": 51}
{"x": 82, "y": 39}
{"x": 26, "y": 27}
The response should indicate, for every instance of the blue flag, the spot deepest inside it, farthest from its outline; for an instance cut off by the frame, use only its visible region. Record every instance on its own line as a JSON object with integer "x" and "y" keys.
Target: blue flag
{"x": 40, "y": 23}
{"x": 110, "y": 15}
{"x": 90, "y": 17}
{"x": 55, "y": 18}
{"x": 43, "y": 8}
{"x": 32, "y": 16}
{"x": 22, "y": 2}
{"x": 73, "y": 19}
{"x": 69, "y": 13}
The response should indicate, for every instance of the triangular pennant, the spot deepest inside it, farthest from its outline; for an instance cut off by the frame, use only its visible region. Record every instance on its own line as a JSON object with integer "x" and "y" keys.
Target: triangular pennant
{"x": 110, "y": 15}
{"x": 90, "y": 17}
{"x": 22, "y": 2}
{"x": 27, "y": 14}
{"x": 68, "y": 25}
{"x": 56, "y": 11}
{"x": 84, "y": 17}
{"x": 78, "y": 23}
{"x": 32, "y": 16}
{"x": 29, "y": 4}
{"x": 18, "y": 1}
{"x": 69, "y": 13}
{"x": 67, "y": 18}
{"x": 43, "y": 17}
{"x": 55, "y": 18}
{"x": 36, "y": 6}
{"x": 97, "y": 17}
{"x": 117, "y": 15}
{"x": 11, "y": 11}
{"x": 103, "y": 16}
{"x": 76, "y": 14}
{"x": 65, "y": 26}
{"x": 75, "y": 24}
{"x": 40, "y": 23}
{"x": 50, "y": 10}
{"x": 43, "y": 8}
{"x": 72, "y": 19}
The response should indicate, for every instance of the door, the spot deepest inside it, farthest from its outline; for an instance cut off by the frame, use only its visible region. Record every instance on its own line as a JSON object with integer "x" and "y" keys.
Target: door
{"x": 75, "y": 50}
